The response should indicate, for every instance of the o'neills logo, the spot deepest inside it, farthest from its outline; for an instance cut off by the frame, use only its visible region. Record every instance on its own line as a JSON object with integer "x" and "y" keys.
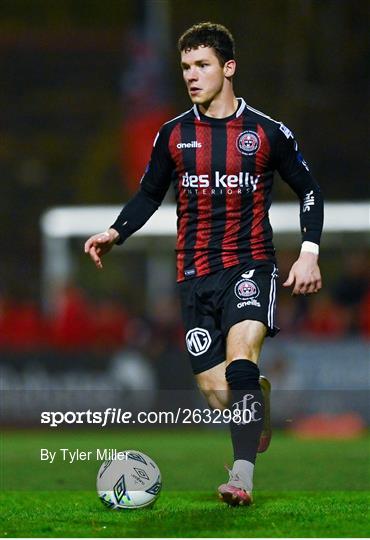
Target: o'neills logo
{"x": 241, "y": 180}
{"x": 192, "y": 144}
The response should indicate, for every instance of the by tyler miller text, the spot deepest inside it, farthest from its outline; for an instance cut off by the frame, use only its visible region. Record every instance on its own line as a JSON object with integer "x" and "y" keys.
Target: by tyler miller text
{"x": 73, "y": 455}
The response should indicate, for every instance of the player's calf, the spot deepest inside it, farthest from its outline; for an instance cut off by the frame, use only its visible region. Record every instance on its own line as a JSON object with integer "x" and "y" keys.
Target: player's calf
{"x": 213, "y": 385}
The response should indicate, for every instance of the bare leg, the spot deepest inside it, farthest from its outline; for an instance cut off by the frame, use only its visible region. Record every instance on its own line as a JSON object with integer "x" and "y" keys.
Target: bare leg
{"x": 213, "y": 385}
{"x": 245, "y": 340}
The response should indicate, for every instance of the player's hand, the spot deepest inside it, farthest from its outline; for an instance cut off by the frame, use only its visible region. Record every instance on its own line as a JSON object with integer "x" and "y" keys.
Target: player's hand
{"x": 99, "y": 244}
{"x": 305, "y": 275}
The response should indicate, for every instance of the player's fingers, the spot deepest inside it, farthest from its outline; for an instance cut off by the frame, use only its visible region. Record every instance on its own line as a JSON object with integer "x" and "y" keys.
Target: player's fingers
{"x": 101, "y": 238}
{"x": 91, "y": 243}
{"x": 314, "y": 286}
{"x": 311, "y": 288}
{"x": 95, "y": 257}
{"x": 98, "y": 263}
{"x": 300, "y": 288}
{"x": 289, "y": 281}
{"x": 318, "y": 284}
{"x": 88, "y": 245}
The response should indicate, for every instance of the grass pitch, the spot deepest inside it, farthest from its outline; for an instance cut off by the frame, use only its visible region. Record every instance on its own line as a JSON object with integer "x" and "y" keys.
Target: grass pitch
{"x": 302, "y": 488}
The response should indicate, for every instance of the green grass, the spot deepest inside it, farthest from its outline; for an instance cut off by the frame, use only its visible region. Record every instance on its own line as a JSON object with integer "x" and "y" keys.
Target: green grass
{"x": 302, "y": 488}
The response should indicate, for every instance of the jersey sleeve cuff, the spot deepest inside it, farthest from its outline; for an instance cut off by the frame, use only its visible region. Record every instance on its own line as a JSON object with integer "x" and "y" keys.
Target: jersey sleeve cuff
{"x": 122, "y": 236}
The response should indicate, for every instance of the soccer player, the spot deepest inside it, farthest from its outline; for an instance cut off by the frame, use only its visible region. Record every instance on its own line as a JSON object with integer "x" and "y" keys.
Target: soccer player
{"x": 220, "y": 157}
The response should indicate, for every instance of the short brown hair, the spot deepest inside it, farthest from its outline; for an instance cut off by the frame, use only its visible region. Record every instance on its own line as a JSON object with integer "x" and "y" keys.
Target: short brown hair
{"x": 212, "y": 35}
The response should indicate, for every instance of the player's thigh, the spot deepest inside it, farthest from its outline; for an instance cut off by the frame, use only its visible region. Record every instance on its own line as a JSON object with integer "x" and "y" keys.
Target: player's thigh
{"x": 213, "y": 386}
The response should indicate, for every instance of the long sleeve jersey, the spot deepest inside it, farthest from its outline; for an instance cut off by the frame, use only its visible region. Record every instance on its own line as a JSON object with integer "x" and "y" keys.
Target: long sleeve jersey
{"x": 222, "y": 172}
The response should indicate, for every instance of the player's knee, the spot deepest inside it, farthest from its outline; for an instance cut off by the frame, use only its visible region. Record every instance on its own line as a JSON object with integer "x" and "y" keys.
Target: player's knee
{"x": 252, "y": 353}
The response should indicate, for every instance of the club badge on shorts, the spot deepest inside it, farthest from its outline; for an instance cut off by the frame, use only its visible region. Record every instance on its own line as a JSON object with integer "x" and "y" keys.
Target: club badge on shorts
{"x": 247, "y": 290}
{"x": 248, "y": 142}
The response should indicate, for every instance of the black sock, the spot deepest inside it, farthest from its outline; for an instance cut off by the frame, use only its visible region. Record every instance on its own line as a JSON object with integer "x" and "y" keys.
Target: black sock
{"x": 246, "y": 400}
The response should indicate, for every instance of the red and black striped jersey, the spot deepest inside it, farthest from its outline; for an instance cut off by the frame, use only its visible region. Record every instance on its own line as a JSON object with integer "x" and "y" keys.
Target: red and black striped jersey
{"x": 222, "y": 172}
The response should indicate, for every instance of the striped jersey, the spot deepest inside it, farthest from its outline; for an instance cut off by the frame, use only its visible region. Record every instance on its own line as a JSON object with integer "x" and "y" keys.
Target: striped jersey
{"x": 222, "y": 173}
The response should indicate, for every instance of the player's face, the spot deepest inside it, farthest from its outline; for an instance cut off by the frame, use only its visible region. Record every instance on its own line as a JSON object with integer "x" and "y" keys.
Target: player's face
{"x": 203, "y": 75}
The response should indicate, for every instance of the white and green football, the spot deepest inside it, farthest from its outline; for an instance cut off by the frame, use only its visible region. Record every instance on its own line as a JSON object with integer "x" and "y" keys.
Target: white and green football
{"x": 129, "y": 483}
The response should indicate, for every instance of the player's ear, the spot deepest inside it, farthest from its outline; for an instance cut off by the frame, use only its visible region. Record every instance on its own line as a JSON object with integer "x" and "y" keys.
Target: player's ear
{"x": 229, "y": 68}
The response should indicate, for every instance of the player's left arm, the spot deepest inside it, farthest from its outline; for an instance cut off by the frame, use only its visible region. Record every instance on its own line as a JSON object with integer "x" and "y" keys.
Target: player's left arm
{"x": 304, "y": 276}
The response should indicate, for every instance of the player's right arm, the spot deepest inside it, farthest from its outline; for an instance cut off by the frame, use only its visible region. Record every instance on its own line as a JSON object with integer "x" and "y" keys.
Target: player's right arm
{"x": 153, "y": 187}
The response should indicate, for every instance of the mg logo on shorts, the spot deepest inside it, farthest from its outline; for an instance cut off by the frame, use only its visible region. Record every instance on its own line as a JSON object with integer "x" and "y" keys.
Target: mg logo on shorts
{"x": 198, "y": 341}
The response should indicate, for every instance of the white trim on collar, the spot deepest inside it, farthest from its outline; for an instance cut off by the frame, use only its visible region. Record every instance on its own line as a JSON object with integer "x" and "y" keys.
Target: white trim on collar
{"x": 196, "y": 112}
{"x": 239, "y": 110}
{"x": 241, "y": 107}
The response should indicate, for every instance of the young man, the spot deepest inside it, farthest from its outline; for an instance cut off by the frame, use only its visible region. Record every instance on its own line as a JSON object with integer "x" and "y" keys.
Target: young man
{"x": 220, "y": 157}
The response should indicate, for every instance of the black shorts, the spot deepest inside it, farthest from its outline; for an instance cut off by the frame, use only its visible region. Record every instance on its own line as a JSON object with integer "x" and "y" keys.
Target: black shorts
{"x": 212, "y": 304}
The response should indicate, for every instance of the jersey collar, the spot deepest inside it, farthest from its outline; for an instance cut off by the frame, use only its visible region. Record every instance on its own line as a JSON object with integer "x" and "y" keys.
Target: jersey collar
{"x": 238, "y": 112}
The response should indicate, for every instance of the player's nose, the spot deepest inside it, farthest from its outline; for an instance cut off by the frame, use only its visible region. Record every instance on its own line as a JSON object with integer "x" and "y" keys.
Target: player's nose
{"x": 191, "y": 75}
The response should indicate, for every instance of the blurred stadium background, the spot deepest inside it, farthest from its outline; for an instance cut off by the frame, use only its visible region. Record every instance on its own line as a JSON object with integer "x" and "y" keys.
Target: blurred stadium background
{"x": 85, "y": 86}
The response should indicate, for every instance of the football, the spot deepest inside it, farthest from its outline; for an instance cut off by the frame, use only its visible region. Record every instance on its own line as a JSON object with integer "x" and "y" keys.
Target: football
{"x": 130, "y": 481}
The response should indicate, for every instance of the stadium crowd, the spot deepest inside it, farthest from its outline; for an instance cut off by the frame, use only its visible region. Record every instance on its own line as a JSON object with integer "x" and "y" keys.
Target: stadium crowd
{"x": 80, "y": 322}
